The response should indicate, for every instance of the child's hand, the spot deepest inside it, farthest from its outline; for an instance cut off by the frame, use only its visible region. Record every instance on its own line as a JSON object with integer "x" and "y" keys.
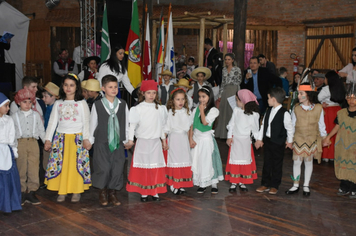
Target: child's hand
{"x": 192, "y": 143}
{"x": 324, "y": 105}
{"x": 229, "y": 142}
{"x": 47, "y": 146}
{"x": 201, "y": 107}
{"x": 129, "y": 144}
{"x": 326, "y": 142}
{"x": 258, "y": 144}
{"x": 289, "y": 145}
{"x": 86, "y": 144}
{"x": 164, "y": 145}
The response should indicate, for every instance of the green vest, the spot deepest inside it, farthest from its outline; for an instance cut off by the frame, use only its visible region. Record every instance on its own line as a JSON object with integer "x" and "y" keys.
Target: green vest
{"x": 197, "y": 124}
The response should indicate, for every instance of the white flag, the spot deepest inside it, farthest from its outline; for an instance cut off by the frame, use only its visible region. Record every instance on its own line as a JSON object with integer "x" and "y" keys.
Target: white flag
{"x": 169, "y": 62}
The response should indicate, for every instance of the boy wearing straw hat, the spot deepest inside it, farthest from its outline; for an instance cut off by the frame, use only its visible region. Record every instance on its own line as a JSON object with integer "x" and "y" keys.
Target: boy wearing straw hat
{"x": 166, "y": 87}
{"x": 93, "y": 87}
{"x": 200, "y": 75}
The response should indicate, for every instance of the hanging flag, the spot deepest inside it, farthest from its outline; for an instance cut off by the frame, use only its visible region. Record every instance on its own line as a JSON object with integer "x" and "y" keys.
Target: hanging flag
{"x": 160, "y": 49}
{"x": 133, "y": 48}
{"x": 169, "y": 63}
{"x": 105, "y": 39}
{"x": 147, "y": 58}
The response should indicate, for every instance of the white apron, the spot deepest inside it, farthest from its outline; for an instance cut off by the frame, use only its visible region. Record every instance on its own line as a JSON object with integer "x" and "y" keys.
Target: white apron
{"x": 5, "y": 157}
{"x": 148, "y": 154}
{"x": 179, "y": 150}
{"x": 240, "y": 150}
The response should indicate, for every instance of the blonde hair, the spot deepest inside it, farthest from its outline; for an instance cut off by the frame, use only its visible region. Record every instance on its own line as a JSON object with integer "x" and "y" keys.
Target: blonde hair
{"x": 170, "y": 103}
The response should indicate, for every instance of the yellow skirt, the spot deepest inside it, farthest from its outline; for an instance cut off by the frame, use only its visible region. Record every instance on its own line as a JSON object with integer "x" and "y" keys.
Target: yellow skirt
{"x": 69, "y": 180}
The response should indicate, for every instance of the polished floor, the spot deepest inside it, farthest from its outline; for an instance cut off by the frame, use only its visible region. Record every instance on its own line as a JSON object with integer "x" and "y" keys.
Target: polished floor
{"x": 241, "y": 213}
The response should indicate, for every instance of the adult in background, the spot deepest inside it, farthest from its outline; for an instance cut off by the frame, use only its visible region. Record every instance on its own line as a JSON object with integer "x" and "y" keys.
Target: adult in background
{"x": 90, "y": 68}
{"x": 231, "y": 79}
{"x": 4, "y": 46}
{"x": 63, "y": 66}
{"x": 283, "y": 75}
{"x": 210, "y": 51}
{"x": 267, "y": 64}
{"x": 259, "y": 80}
{"x": 349, "y": 71}
{"x": 116, "y": 66}
{"x": 319, "y": 81}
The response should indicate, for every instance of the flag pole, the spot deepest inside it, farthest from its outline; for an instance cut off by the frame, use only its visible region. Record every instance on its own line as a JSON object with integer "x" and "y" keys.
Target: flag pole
{"x": 143, "y": 44}
{"x": 165, "y": 43}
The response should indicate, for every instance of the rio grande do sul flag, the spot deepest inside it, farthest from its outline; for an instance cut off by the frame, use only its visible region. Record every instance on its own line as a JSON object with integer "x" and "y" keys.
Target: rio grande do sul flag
{"x": 147, "y": 67}
{"x": 133, "y": 48}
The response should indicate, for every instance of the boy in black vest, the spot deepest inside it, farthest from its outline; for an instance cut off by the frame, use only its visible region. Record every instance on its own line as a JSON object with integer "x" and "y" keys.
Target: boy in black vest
{"x": 275, "y": 130}
{"x": 109, "y": 137}
{"x": 165, "y": 89}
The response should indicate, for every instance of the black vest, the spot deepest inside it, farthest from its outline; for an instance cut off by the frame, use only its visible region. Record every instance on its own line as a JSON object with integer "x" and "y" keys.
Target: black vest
{"x": 164, "y": 93}
{"x": 101, "y": 135}
{"x": 57, "y": 79}
{"x": 278, "y": 131}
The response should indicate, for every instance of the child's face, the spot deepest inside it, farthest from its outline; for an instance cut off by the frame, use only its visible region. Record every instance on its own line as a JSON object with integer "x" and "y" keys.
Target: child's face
{"x": 190, "y": 63}
{"x": 296, "y": 78}
{"x": 180, "y": 75}
{"x": 303, "y": 97}
{"x": 92, "y": 65}
{"x": 271, "y": 101}
{"x": 166, "y": 78}
{"x": 32, "y": 87}
{"x": 239, "y": 103}
{"x": 48, "y": 99}
{"x": 69, "y": 87}
{"x": 200, "y": 78}
{"x": 4, "y": 109}
{"x": 203, "y": 98}
{"x": 184, "y": 68}
{"x": 92, "y": 94}
{"x": 179, "y": 101}
{"x": 150, "y": 96}
{"x": 25, "y": 105}
{"x": 111, "y": 89}
{"x": 351, "y": 101}
{"x": 85, "y": 93}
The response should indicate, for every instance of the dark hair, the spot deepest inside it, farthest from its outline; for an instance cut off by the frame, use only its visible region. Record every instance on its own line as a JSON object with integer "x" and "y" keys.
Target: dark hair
{"x": 62, "y": 50}
{"x": 312, "y": 96}
{"x": 249, "y": 107}
{"x": 113, "y": 62}
{"x": 208, "y": 41}
{"x": 170, "y": 103}
{"x": 353, "y": 62}
{"x": 78, "y": 90}
{"x": 278, "y": 93}
{"x": 312, "y": 71}
{"x": 49, "y": 94}
{"x": 261, "y": 55}
{"x": 141, "y": 98}
{"x": 282, "y": 70}
{"x": 231, "y": 55}
{"x": 201, "y": 72}
{"x": 108, "y": 78}
{"x": 183, "y": 65}
{"x": 252, "y": 58}
{"x": 209, "y": 92}
{"x": 191, "y": 59}
{"x": 295, "y": 85}
{"x": 336, "y": 87}
{"x": 27, "y": 80}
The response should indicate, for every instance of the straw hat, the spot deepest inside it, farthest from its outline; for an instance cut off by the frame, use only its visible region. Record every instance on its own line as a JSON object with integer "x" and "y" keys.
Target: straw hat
{"x": 204, "y": 70}
{"x": 93, "y": 85}
{"x": 52, "y": 89}
{"x": 83, "y": 84}
{"x": 88, "y": 59}
{"x": 183, "y": 82}
{"x": 167, "y": 72}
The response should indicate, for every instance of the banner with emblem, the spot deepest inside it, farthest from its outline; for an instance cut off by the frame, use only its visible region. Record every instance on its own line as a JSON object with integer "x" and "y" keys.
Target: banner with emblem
{"x": 133, "y": 48}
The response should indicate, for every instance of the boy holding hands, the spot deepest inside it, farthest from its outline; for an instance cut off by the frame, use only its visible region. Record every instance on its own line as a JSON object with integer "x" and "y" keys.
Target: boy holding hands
{"x": 276, "y": 133}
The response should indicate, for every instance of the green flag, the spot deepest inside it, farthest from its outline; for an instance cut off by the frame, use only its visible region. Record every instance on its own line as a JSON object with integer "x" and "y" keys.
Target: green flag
{"x": 105, "y": 39}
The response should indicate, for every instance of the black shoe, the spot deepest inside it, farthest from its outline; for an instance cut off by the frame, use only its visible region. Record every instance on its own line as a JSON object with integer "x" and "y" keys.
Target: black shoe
{"x": 341, "y": 192}
{"x": 182, "y": 191}
{"x": 23, "y": 198}
{"x": 43, "y": 186}
{"x": 176, "y": 191}
{"x": 243, "y": 188}
{"x": 214, "y": 191}
{"x": 289, "y": 192}
{"x": 201, "y": 190}
{"x": 232, "y": 190}
{"x": 144, "y": 199}
{"x": 157, "y": 199}
{"x": 306, "y": 193}
{"x": 31, "y": 198}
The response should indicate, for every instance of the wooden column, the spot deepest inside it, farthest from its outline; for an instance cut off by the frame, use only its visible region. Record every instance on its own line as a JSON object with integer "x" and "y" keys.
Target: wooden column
{"x": 225, "y": 39}
{"x": 201, "y": 42}
{"x": 240, "y": 15}
{"x": 214, "y": 38}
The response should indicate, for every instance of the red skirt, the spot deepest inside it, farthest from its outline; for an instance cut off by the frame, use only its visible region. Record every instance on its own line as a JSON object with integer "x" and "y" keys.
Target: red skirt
{"x": 179, "y": 177}
{"x": 329, "y": 118}
{"x": 241, "y": 173}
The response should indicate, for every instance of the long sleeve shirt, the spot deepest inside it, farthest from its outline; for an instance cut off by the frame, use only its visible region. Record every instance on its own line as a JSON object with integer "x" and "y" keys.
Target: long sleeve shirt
{"x": 8, "y": 133}
{"x": 351, "y": 73}
{"x": 65, "y": 71}
{"x": 242, "y": 124}
{"x": 325, "y": 95}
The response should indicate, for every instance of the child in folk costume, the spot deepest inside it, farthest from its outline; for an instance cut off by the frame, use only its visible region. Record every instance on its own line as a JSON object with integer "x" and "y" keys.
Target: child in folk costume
{"x": 241, "y": 166}
{"x": 200, "y": 75}
{"x": 109, "y": 130}
{"x": 179, "y": 161}
{"x": 309, "y": 126}
{"x": 165, "y": 89}
{"x": 10, "y": 188}
{"x": 206, "y": 161}
{"x": 184, "y": 84}
{"x": 148, "y": 167}
{"x": 331, "y": 96}
{"x": 345, "y": 148}
{"x": 29, "y": 128}
{"x": 68, "y": 169}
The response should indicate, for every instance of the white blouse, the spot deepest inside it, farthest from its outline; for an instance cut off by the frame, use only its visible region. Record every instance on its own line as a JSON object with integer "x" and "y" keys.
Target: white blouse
{"x": 147, "y": 122}
{"x": 242, "y": 124}
{"x": 324, "y": 96}
{"x": 210, "y": 117}
{"x": 179, "y": 122}
{"x": 7, "y": 131}
{"x": 71, "y": 116}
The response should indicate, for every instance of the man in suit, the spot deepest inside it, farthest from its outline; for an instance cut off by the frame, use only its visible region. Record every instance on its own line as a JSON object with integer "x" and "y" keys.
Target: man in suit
{"x": 259, "y": 81}
{"x": 267, "y": 64}
{"x": 210, "y": 51}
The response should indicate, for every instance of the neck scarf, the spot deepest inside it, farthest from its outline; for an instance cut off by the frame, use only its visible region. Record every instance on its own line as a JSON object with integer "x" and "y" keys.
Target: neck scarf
{"x": 113, "y": 125}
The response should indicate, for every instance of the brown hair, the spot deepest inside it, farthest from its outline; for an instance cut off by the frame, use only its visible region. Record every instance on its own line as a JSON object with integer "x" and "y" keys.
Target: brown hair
{"x": 141, "y": 98}
{"x": 170, "y": 103}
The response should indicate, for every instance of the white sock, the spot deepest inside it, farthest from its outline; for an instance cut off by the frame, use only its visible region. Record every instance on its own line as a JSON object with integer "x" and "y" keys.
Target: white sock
{"x": 242, "y": 185}
{"x": 214, "y": 185}
{"x": 172, "y": 188}
{"x": 233, "y": 186}
{"x": 306, "y": 189}
{"x": 296, "y": 168}
{"x": 182, "y": 189}
{"x": 308, "y": 172}
{"x": 144, "y": 195}
{"x": 156, "y": 195}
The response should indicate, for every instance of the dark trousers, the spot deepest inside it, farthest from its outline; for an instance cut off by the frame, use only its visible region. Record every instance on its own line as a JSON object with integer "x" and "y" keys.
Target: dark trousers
{"x": 347, "y": 186}
{"x": 272, "y": 164}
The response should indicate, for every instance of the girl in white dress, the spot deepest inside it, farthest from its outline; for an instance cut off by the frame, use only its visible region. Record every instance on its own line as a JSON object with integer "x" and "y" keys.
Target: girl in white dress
{"x": 206, "y": 166}
{"x": 179, "y": 161}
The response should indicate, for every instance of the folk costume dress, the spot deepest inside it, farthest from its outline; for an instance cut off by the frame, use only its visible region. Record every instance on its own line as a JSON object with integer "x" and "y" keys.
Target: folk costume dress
{"x": 148, "y": 168}
{"x": 241, "y": 165}
{"x": 329, "y": 116}
{"x": 179, "y": 161}
{"x": 10, "y": 188}
{"x": 206, "y": 166}
{"x": 68, "y": 169}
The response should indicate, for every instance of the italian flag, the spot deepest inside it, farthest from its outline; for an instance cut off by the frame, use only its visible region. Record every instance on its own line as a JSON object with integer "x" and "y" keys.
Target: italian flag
{"x": 133, "y": 48}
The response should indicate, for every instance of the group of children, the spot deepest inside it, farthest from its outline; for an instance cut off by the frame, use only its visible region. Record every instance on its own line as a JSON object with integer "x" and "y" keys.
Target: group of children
{"x": 175, "y": 147}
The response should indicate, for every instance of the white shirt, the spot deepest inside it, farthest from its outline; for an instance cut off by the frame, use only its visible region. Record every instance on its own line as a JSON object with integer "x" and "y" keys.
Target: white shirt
{"x": 351, "y": 73}
{"x": 210, "y": 117}
{"x": 105, "y": 70}
{"x": 94, "y": 121}
{"x": 287, "y": 121}
{"x": 242, "y": 124}
{"x": 14, "y": 108}
{"x": 324, "y": 96}
{"x": 69, "y": 117}
{"x": 81, "y": 75}
{"x": 179, "y": 122}
{"x": 65, "y": 71}
{"x": 8, "y": 133}
{"x": 321, "y": 123}
{"x": 147, "y": 122}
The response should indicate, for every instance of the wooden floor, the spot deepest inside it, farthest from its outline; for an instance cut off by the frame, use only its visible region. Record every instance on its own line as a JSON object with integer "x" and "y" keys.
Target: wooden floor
{"x": 250, "y": 213}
